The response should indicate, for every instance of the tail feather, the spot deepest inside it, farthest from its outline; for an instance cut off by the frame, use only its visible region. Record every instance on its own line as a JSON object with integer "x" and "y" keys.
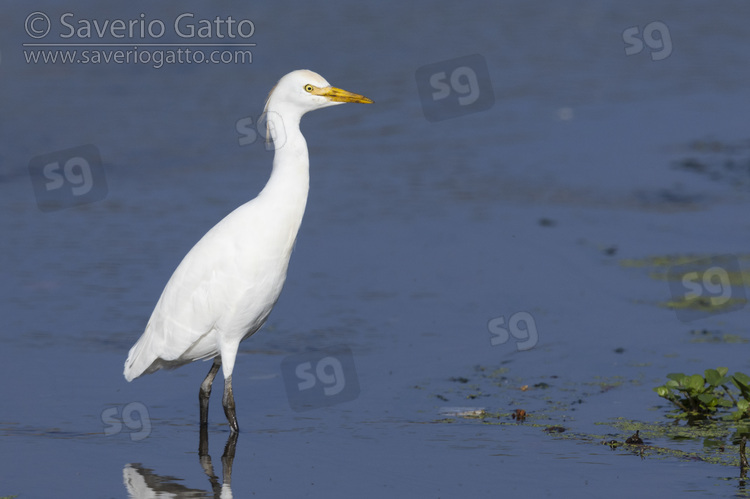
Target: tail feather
{"x": 140, "y": 359}
{"x": 143, "y": 359}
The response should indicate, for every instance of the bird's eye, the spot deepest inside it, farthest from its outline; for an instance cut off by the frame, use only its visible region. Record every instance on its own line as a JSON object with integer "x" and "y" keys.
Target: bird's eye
{"x": 309, "y": 88}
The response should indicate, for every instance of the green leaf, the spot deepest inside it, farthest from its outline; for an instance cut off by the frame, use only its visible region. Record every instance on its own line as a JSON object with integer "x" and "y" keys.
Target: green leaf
{"x": 712, "y": 375}
{"x": 722, "y": 370}
{"x": 663, "y": 391}
{"x": 715, "y": 378}
{"x": 742, "y": 381}
{"x": 708, "y": 400}
{"x": 694, "y": 382}
{"x": 741, "y": 412}
{"x": 676, "y": 376}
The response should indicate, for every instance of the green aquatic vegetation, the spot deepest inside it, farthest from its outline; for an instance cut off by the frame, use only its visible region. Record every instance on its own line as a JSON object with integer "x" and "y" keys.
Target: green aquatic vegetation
{"x": 706, "y": 336}
{"x": 705, "y": 397}
{"x": 673, "y": 268}
{"x": 550, "y": 404}
{"x": 712, "y": 304}
{"x": 660, "y": 263}
{"x": 719, "y": 442}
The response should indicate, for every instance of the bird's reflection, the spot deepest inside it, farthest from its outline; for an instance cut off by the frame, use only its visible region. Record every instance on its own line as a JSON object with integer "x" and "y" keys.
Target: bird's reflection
{"x": 223, "y": 489}
{"x": 142, "y": 482}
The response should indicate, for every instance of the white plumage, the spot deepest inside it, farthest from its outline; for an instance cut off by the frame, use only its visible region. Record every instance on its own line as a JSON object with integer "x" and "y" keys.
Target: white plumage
{"x": 227, "y": 284}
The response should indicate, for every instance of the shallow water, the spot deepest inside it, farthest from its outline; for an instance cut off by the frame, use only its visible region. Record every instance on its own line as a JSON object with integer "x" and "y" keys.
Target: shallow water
{"x": 418, "y": 235}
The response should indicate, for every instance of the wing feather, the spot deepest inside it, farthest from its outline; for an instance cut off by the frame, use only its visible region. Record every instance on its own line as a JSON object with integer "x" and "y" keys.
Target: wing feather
{"x": 224, "y": 285}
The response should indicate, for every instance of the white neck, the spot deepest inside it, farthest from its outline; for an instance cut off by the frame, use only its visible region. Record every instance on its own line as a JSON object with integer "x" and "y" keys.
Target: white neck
{"x": 286, "y": 191}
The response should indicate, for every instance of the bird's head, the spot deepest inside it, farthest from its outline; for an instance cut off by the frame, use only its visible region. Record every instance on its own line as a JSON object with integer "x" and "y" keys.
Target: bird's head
{"x": 301, "y": 91}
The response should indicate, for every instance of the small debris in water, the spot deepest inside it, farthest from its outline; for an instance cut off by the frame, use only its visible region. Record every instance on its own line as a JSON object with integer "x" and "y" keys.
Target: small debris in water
{"x": 519, "y": 415}
{"x": 547, "y": 222}
{"x": 635, "y": 439}
{"x": 554, "y": 429}
{"x": 463, "y": 412}
{"x": 613, "y": 444}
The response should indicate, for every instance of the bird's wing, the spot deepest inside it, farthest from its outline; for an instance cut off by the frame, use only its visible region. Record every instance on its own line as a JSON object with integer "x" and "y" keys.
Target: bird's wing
{"x": 193, "y": 300}
{"x": 227, "y": 283}
{"x": 205, "y": 284}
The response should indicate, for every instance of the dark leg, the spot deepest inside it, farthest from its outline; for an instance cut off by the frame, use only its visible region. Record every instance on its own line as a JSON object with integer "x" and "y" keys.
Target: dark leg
{"x": 205, "y": 391}
{"x": 228, "y": 402}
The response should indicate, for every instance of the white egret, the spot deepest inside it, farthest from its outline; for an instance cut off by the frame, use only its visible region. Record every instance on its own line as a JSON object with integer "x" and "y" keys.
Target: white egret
{"x": 225, "y": 287}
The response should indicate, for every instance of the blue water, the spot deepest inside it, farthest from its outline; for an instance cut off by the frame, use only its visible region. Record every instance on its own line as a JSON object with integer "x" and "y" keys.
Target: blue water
{"x": 418, "y": 233}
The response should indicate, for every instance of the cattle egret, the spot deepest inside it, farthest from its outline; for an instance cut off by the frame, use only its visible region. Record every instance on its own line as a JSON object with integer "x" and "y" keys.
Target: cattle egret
{"x": 227, "y": 284}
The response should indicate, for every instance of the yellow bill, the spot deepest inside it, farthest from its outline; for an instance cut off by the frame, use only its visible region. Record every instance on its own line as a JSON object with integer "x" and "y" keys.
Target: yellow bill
{"x": 338, "y": 95}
